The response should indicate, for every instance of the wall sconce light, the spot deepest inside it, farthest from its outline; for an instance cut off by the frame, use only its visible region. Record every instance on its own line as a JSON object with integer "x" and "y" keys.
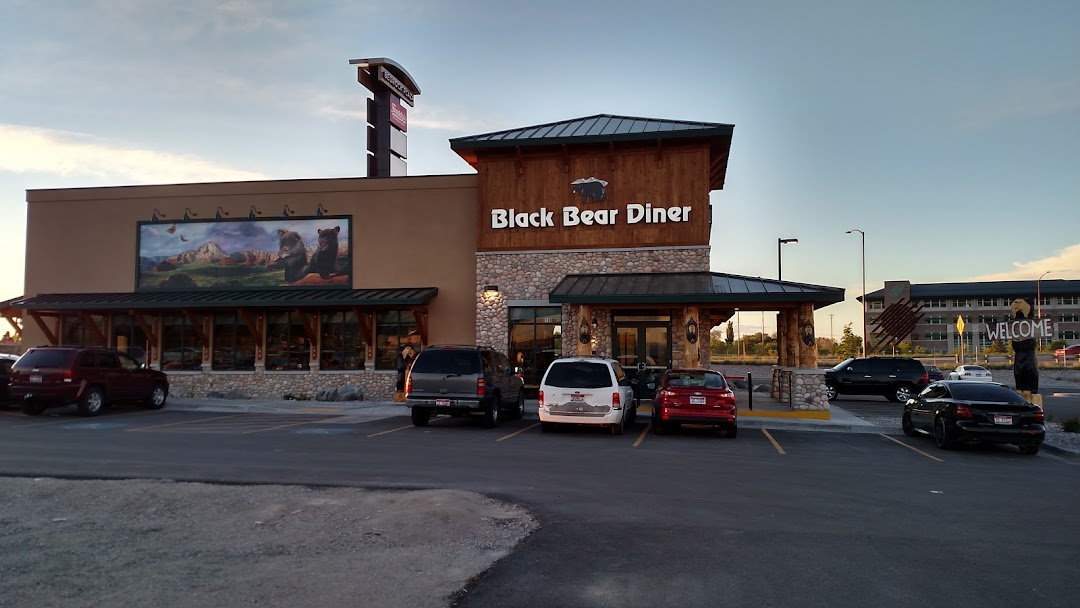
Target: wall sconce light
{"x": 220, "y": 212}
{"x": 321, "y": 210}
{"x": 556, "y": 331}
{"x": 491, "y": 289}
{"x": 188, "y": 213}
{"x": 584, "y": 337}
{"x": 253, "y": 212}
{"x": 691, "y": 331}
{"x": 286, "y": 212}
{"x": 157, "y": 215}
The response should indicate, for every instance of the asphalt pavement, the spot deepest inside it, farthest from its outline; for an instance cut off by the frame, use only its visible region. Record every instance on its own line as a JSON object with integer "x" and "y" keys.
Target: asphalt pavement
{"x": 772, "y": 518}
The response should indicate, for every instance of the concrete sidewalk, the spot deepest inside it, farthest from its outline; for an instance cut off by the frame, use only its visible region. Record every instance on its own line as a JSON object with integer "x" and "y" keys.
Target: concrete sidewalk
{"x": 354, "y": 412}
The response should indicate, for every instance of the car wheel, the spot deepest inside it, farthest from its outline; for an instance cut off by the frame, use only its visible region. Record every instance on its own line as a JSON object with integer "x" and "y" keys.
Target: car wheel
{"x": 832, "y": 391}
{"x": 618, "y": 427}
{"x": 942, "y": 436}
{"x": 32, "y": 409}
{"x": 92, "y": 402}
{"x": 157, "y": 398}
{"x": 491, "y": 414}
{"x": 420, "y": 416}
{"x": 902, "y": 392}
{"x": 519, "y": 408}
{"x": 731, "y": 433}
{"x": 1029, "y": 449}
{"x": 548, "y": 427}
{"x": 632, "y": 416}
{"x": 909, "y": 429}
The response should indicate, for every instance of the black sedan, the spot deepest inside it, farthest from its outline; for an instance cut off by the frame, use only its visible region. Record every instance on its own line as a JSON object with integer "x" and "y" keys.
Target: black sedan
{"x": 967, "y": 412}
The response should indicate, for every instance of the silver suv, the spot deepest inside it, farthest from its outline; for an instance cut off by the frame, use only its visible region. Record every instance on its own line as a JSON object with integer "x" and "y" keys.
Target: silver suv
{"x": 463, "y": 381}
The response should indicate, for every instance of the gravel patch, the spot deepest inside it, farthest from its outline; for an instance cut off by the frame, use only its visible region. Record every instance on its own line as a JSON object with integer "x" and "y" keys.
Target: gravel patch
{"x": 150, "y": 543}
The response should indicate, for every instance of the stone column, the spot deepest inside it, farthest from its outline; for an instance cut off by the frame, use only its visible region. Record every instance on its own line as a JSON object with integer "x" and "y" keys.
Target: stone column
{"x": 807, "y": 337}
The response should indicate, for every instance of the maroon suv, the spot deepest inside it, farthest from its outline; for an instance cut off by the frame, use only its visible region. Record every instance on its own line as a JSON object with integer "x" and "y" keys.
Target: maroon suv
{"x": 88, "y": 377}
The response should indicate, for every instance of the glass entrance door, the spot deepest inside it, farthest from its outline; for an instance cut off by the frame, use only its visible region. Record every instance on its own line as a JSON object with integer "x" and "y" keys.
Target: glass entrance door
{"x": 643, "y": 348}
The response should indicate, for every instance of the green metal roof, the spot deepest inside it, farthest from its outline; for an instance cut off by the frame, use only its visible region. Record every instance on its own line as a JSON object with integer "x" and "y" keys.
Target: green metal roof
{"x": 687, "y": 288}
{"x": 280, "y": 298}
{"x": 601, "y": 128}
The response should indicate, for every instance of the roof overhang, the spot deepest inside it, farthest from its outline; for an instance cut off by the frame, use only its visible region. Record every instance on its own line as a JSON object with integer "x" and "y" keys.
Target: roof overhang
{"x": 702, "y": 288}
{"x": 189, "y": 300}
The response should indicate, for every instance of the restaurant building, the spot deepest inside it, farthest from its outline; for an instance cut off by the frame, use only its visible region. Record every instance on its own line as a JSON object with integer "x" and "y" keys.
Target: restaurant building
{"x": 584, "y": 236}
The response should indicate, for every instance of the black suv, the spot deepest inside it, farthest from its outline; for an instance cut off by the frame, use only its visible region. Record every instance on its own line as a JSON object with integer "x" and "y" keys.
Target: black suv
{"x": 895, "y": 378}
{"x": 461, "y": 381}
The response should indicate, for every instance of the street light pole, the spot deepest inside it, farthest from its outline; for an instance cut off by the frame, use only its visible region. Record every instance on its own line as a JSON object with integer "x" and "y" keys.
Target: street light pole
{"x": 779, "y": 257}
{"x": 1038, "y": 293}
{"x": 862, "y": 237}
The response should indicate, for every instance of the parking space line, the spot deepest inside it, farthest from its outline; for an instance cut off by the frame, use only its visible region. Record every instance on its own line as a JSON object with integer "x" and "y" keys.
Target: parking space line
{"x": 201, "y": 420}
{"x": 641, "y": 437}
{"x": 400, "y": 428}
{"x": 912, "y": 448}
{"x": 775, "y": 444}
{"x": 73, "y": 420}
{"x": 531, "y": 426}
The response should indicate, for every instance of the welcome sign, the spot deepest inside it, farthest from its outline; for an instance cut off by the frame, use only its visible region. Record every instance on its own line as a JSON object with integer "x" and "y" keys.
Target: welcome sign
{"x": 1022, "y": 329}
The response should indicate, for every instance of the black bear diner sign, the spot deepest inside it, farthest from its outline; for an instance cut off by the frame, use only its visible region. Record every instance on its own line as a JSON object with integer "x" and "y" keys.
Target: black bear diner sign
{"x": 236, "y": 254}
{"x": 591, "y": 190}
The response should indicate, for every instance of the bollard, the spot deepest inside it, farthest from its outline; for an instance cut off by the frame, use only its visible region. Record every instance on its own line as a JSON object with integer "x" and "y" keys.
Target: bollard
{"x": 750, "y": 389}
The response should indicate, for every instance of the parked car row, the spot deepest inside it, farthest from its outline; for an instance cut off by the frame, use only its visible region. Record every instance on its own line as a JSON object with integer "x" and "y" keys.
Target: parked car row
{"x": 478, "y": 381}
{"x": 91, "y": 378}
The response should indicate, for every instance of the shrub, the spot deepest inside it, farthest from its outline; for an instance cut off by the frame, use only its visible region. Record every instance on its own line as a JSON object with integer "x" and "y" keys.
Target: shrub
{"x": 1072, "y": 425}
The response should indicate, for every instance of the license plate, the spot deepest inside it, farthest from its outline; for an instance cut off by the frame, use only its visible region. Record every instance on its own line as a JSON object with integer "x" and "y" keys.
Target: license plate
{"x": 442, "y": 402}
{"x": 1002, "y": 419}
{"x": 697, "y": 401}
{"x": 35, "y": 378}
{"x": 577, "y": 398}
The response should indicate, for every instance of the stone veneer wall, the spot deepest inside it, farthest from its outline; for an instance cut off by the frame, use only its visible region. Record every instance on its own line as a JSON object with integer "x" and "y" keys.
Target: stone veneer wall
{"x": 531, "y": 275}
{"x": 372, "y": 385}
{"x": 802, "y": 389}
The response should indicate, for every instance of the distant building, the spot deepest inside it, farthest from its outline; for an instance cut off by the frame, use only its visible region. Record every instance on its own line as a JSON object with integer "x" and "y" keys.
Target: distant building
{"x": 979, "y": 304}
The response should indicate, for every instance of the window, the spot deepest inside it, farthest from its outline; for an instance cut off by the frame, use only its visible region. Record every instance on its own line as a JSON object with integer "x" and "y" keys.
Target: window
{"x": 343, "y": 344}
{"x": 579, "y": 375}
{"x": 535, "y": 340}
{"x": 1069, "y": 301}
{"x": 394, "y": 330}
{"x": 1045, "y": 302}
{"x": 287, "y": 344}
{"x": 991, "y": 319}
{"x": 234, "y": 346}
{"x": 987, "y": 302}
{"x": 74, "y": 332}
{"x": 128, "y": 337}
{"x": 961, "y": 303}
{"x": 937, "y": 335}
{"x": 1070, "y": 318}
{"x": 181, "y": 348}
{"x": 1070, "y": 334}
{"x": 937, "y": 304}
{"x": 875, "y": 304}
{"x": 914, "y": 337}
{"x": 935, "y": 320}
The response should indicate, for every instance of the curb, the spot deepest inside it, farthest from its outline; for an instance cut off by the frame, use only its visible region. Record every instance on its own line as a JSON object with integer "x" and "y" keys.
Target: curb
{"x": 1053, "y": 449}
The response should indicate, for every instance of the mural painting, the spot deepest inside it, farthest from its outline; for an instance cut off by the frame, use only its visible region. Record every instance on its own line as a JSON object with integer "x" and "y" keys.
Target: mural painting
{"x": 245, "y": 254}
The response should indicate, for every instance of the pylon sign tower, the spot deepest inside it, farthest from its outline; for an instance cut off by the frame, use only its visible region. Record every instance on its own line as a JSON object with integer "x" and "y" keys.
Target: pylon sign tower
{"x": 387, "y": 116}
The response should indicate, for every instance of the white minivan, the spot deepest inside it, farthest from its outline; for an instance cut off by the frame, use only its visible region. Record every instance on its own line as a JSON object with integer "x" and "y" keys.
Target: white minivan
{"x": 586, "y": 390}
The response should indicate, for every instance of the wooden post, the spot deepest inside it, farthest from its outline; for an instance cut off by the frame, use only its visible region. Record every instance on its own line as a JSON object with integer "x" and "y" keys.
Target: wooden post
{"x": 807, "y": 337}
{"x": 780, "y": 338}
{"x": 691, "y": 359}
{"x": 584, "y": 327}
{"x": 791, "y": 338}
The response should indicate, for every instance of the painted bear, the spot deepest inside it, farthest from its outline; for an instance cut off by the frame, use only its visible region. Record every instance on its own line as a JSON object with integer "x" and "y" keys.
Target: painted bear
{"x": 292, "y": 256}
{"x": 1025, "y": 365}
{"x": 591, "y": 190}
{"x": 324, "y": 260}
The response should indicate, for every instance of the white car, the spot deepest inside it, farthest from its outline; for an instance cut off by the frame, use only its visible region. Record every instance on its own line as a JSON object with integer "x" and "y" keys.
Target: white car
{"x": 586, "y": 390}
{"x": 977, "y": 373}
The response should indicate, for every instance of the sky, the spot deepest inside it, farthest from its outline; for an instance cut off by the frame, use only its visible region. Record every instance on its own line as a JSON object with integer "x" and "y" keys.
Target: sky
{"x": 949, "y": 132}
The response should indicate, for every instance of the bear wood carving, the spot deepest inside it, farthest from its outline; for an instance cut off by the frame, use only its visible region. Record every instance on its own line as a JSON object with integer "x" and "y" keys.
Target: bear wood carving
{"x": 1025, "y": 365}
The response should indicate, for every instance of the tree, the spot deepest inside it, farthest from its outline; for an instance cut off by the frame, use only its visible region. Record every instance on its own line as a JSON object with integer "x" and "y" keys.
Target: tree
{"x": 850, "y": 345}
{"x": 904, "y": 348}
{"x": 730, "y": 337}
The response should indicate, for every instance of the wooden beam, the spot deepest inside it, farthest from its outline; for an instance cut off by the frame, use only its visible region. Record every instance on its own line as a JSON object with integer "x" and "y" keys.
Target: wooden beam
{"x": 88, "y": 321}
{"x": 196, "y": 326}
{"x": 309, "y": 327}
{"x": 420, "y": 314}
{"x": 49, "y": 335}
{"x": 148, "y": 329}
{"x": 365, "y": 327}
{"x": 15, "y": 323}
{"x": 252, "y": 327}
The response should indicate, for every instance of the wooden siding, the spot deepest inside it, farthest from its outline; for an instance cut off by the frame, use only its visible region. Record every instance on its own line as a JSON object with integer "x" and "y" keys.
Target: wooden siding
{"x": 660, "y": 176}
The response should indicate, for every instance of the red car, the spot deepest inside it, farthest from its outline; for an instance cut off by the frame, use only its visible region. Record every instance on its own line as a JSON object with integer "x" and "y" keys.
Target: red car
{"x": 1068, "y": 351}
{"x": 88, "y": 377}
{"x": 694, "y": 396}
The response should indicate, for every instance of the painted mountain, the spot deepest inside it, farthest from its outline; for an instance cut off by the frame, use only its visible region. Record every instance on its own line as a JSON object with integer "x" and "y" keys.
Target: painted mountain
{"x": 245, "y": 254}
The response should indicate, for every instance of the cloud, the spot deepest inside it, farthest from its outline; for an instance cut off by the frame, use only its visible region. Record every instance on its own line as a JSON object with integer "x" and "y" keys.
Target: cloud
{"x": 426, "y": 116}
{"x": 1065, "y": 264}
{"x": 35, "y": 150}
{"x": 1024, "y": 99}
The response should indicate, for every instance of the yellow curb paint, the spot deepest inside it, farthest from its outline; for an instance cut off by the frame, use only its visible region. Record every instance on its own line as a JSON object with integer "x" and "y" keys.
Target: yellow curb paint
{"x": 161, "y": 426}
{"x": 912, "y": 448}
{"x": 641, "y": 437}
{"x": 400, "y": 428}
{"x": 806, "y": 414}
{"x": 505, "y": 437}
{"x": 774, "y": 443}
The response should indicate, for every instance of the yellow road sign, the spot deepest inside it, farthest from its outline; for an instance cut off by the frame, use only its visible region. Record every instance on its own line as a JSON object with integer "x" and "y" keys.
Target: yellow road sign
{"x": 960, "y": 324}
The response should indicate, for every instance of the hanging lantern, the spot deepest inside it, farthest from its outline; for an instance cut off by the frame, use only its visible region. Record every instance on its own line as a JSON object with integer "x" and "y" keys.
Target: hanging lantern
{"x": 691, "y": 331}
